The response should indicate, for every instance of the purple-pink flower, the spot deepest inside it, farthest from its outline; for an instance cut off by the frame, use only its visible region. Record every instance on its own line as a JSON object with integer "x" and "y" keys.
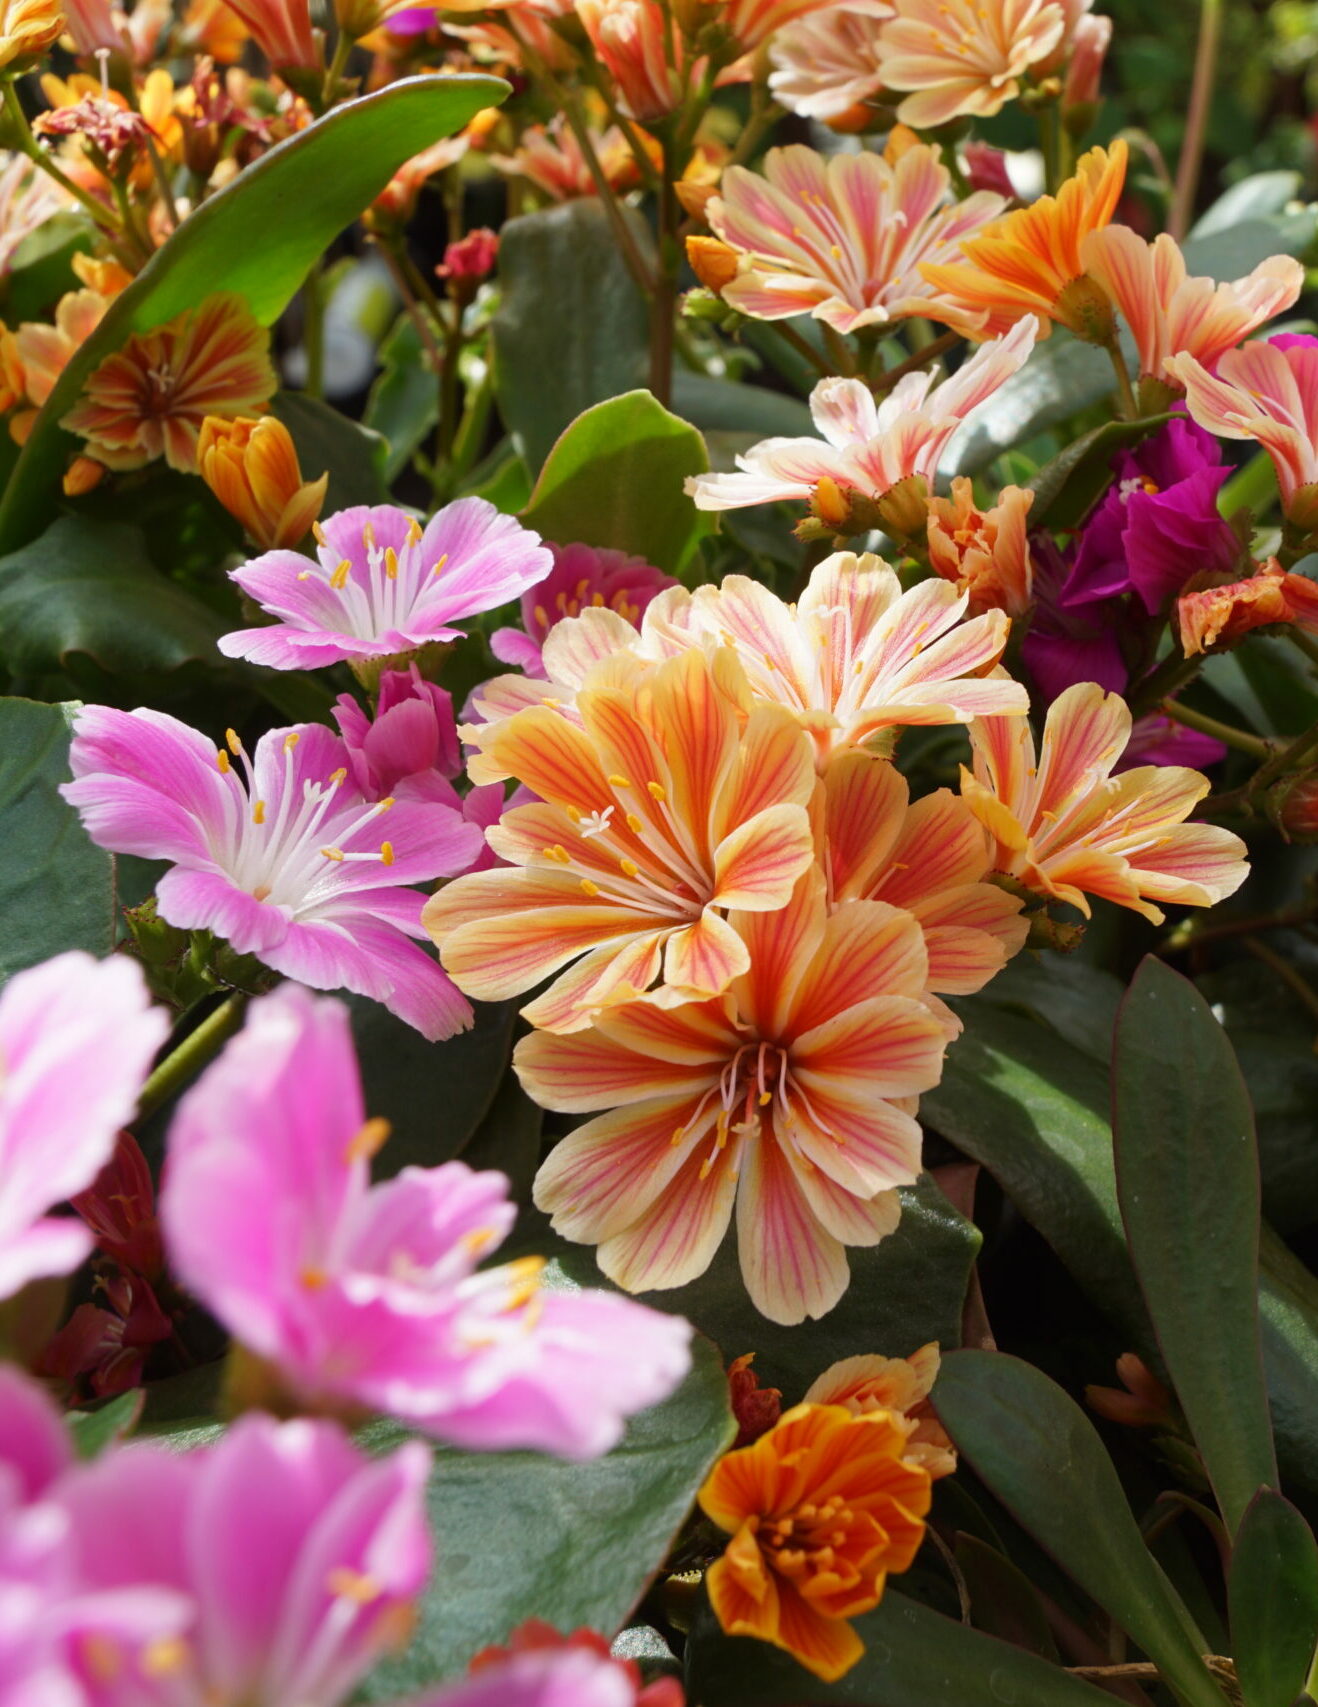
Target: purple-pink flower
{"x": 548, "y": 1677}
{"x": 77, "y": 1037}
{"x": 294, "y": 864}
{"x": 381, "y": 587}
{"x": 369, "y": 1295}
{"x": 583, "y": 577}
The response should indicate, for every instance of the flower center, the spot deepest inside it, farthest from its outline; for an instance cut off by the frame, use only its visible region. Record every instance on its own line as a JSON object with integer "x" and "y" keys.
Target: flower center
{"x": 379, "y": 588}
{"x": 805, "y": 1542}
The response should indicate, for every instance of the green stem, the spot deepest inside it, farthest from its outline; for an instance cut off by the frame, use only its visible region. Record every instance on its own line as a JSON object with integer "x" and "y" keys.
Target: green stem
{"x": 1196, "y": 119}
{"x": 802, "y": 346}
{"x": 1290, "y": 758}
{"x": 28, "y": 145}
{"x": 1130, "y": 409}
{"x": 338, "y": 65}
{"x": 1050, "y": 145}
{"x": 1237, "y": 738}
{"x": 929, "y": 352}
{"x": 198, "y": 1048}
{"x": 844, "y": 362}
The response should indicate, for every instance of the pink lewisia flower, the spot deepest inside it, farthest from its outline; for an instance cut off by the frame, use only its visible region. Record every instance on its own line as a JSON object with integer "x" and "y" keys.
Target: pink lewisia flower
{"x": 544, "y": 1642}
{"x": 842, "y": 238}
{"x": 563, "y": 1677}
{"x": 296, "y": 1557}
{"x": 584, "y": 577}
{"x": 382, "y": 587}
{"x": 828, "y": 62}
{"x": 369, "y": 1295}
{"x": 961, "y": 58}
{"x": 868, "y": 448}
{"x": 76, "y": 1041}
{"x": 291, "y": 866}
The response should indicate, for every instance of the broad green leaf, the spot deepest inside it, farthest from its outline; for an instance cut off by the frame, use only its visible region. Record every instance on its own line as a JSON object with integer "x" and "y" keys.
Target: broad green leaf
{"x": 572, "y": 327}
{"x": 1272, "y": 1595}
{"x": 719, "y": 405}
{"x": 502, "y": 478}
{"x": 913, "y": 1658}
{"x": 1076, "y": 1000}
{"x": 519, "y": 1535}
{"x": 1002, "y": 1598}
{"x": 1037, "y": 1451}
{"x": 1260, "y": 194}
{"x": 1188, "y": 1186}
{"x": 1066, "y": 488}
{"x": 329, "y": 443}
{"x": 404, "y": 402}
{"x": 89, "y": 587}
{"x": 56, "y": 886}
{"x": 302, "y": 194}
{"x": 615, "y": 478}
{"x": 93, "y": 1431}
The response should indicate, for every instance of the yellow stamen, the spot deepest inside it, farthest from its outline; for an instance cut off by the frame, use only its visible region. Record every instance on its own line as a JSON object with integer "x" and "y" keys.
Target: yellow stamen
{"x": 336, "y": 854}
{"x": 340, "y": 576}
{"x": 387, "y": 852}
{"x": 258, "y": 812}
{"x": 588, "y": 887}
{"x": 391, "y": 563}
{"x": 222, "y": 760}
{"x": 165, "y": 1655}
{"x": 347, "y": 1584}
{"x": 368, "y": 1141}
{"x": 291, "y": 740}
{"x": 314, "y": 1279}
{"x": 629, "y": 867}
{"x": 657, "y": 791}
{"x": 440, "y": 565}
{"x": 478, "y": 1239}
{"x": 616, "y": 781}
{"x": 634, "y": 824}
{"x": 414, "y": 532}
{"x": 338, "y": 777}
{"x": 318, "y": 534}
{"x": 234, "y": 744}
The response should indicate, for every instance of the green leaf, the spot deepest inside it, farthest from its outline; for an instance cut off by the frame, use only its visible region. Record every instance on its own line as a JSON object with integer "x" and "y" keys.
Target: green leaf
{"x": 614, "y": 479}
{"x": 1066, "y": 488}
{"x": 913, "y": 1658}
{"x": 1037, "y": 1451}
{"x": 1062, "y": 377}
{"x": 1257, "y": 196}
{"x": 56, "y": 885}
{"x": 572, "y": 327}
{"x": 301, "y": 195}
{"x": 1002, "y": 1598}
{"x": 93, "y": 1431}
{"x": 328, "y": 442}
{"x": 720, "y": 405}
{"x": 1188, "y": 1186}
{"x": 1272, "y": 1595}
{"x": 404, "y": 402}
{"x": 88, "y": 587}
{"x": 518, "y": 1535}
{"x": 42, "y": 268}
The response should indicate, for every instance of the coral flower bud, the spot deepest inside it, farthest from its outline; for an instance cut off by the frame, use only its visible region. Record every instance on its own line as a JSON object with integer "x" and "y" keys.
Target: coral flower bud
{"x": 986, "y": 169}
{"x": 1293, "y": 807}
{"x": 1144, "y": 1403}
{"x": 252, "y": 468}
{"x": 28, "y": 28}
{"x": 983, "y": 551}
{"x": 713, "y": 262}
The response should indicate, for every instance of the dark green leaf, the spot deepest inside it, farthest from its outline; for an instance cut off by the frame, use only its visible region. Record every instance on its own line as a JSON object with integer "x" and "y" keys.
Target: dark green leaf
{"x": 1076, "y": 1000}
{"x": 509, "y": 1138}
{"x": 1002, "y": 1598}
{"x": 93, "y": 1431}
{"x": 42, "y": 268}
{"x": 615, "y": 479}
{"x": 56, "y": 886}
{"x": 303, "y": 192}
{"x": 1066, "y": 488}
{"x": 1062, "y": 377}
{"x": 1188, "y": 1186}
{"x": 89, "y": 587}
{"x": 719, "y": 405}
{"x": 1037, "y": 1452}
{"x": 1273, "y": 1601}
{"x": 518, "y": 1535}
{"x": 404, "y": 401}
{"x": 329, "y": 443}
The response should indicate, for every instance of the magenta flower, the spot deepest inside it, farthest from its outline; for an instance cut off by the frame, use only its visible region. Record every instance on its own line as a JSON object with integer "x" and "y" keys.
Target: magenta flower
{"x": 583, "y": 577}
{"x": 382, "y": 588}
{"x": 369, "y": 1295}
{"x": 1156, "y": 740}
{"x": 76, "y": 1041}
{"x": 296, "y": 1558}
{"x": 295, "y": 865}
{"x": 548, "y": 1677}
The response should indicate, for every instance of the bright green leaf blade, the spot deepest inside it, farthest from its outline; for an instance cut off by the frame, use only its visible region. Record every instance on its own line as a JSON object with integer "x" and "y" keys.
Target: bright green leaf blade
{"x": 303, "y": 193}
{"x": 56, "y": 885}
{"x": 615, "y": 479}
{"x": 1272, "y": 1595}
{"x": 93, "y": 1431}
{"x": 1188, "y": 1186}
{"x": 404, "y": 402}
{"x": 913, "y": 1658}
{"x": 327, "y": 442}
{"x": 519, "y": 1535}
{"x": 1037, "y": 1451}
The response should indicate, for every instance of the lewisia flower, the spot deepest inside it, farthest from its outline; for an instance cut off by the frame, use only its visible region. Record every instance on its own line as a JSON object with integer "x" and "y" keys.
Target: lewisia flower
{"x": 900, "y": 1386}
{"x": 536, "y": 1649}
{"x": 1066, "y": 828}
{"x": 151, "y": 398}
{"x": 827, "y": 63}
{"x": 92, "y": 26}
{"x": 963, "y": 59}
{"x": 1266, "y": 391}
{"x": 1169, "y": 313}
{"x": 751, "y": 23}
{"x": 33, "y": 358}
{"x": 662, "y": 811}
{"x": 856, "y": 658}
{"x": 368, "y": 1296}
{"x": 786, "y": 1098}
{"x": 28, "y": 198}
{"x": 282, "y": 30}
{"x": 77, "y": 1038}
{"x": 1220, "y": 616}
{"x": 1032, "y": 262}
{"x": 292, "y": 864}
{"x": 550, "y": 157}
{"x": 252, "y": 468}
{"x": 820, "y": 1510}
{"x": 868, "y": 449}
{"x": 28, "y": 28}
{"x": 583, "y": 577}
{"x": 381, "y": 587}
{"x": 841, "y": 238}
{"x": 632, "y": 38}
{"x": 984, "y": 553}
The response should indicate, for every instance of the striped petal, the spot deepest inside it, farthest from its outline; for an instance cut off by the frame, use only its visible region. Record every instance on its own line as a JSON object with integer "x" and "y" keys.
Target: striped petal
{"x": 674, "y": 1240}
{"x": 758, "y": 864}
{"x": 608, "y": 1173}
{"x": 886, "y": 1046}
{"x": 793, "y": 1267}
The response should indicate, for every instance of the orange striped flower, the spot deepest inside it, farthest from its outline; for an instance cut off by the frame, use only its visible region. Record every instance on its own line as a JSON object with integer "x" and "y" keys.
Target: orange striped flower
{"x": 821, "y": 1509}
{"x": 675, "y": 800}
{"x": 28, "y": 28}
{"x": 963, "y": 57}
{"x": 281, "y": 29}
{"x": 252, "y": 468}
{"x": 1066, "y": 828}
{"x": 1030, "y": 262}
{"x": 1220, "y": 616}
{"x": 900, "y": 1385}
{"x": 786, "y": 1099}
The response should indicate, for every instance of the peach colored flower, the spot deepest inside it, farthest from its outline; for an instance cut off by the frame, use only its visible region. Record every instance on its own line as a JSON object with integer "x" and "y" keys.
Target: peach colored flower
{"x": 28, "y": 28}
{"x": 1066, "y": 828}
{"x": 827, "y": 62}
{"x": 151, "y": 397}
{"x": 396, "y": 202}
{"x": 786, "y": 1098}
{"x": 821, "y": 1509}
{"x": 900, "y": 1386}
{"x": 1218, "y": 617}
{"x": 667, "y": 807}
{"x": 1031, "y": 262}
{"x": 751, "y": 23}
{"x": 842, "y": 238}
{"x": 961, "y": 58}
{"x": 550, "y": 157}
{"x": 281, "y": 29}
{"x": 1090, "y": 40}
{"x": 252, "y": 468}
{"x": 984, "y": 553}
{"x": 931, "y": 857}
{"x": 1172, "y": 314}
{"x": 37, "y": 354}
{"x": 632, "y": 39}
{"x": 28, "y": 198}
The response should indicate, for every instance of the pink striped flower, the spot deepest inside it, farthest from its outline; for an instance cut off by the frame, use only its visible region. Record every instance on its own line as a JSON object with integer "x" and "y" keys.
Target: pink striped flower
{"x": 827, "y": 62}
{"x": 282, "y": 31}
{"x": 960, "y": 58}
{"x": 290, "y": 862}
{"x": 842, "y": 238}
{"x": 637, "y": 44}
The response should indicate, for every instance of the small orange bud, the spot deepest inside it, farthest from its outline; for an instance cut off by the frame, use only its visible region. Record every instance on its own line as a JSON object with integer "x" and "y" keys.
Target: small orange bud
{"x": 1145, "y": 1403}
{"x": 82, "y": 476}
{"x": 714, "y": 263}
{"x": 830, "y": 503}
{"x": 901, "y": 140}
{"x": 252, "y": 468}
{"x": 106, "y": 278}
{"x": 695, "y": 198}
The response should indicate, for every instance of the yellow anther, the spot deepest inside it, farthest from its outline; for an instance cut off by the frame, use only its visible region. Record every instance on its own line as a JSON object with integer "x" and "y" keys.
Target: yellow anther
{"x": 657, "y": 791}
{"x": 304, "y": 574}
{"x": 318, "y": 534}
{"x": 589, "y": 888}
{"x": 707, "y": 1167}
{"x": 438, "y": 569}
{"x": 338, "y": 777}
{"x": 339, "y": 578}
{"x": 618, "y": 781}
{"x": 368, "y": 535}
{"x": 314, "y": 1279}
{"x": 629, "y": 867}
{"x": 368, "y": 1141}
{"x": 573, "y": 813}
{"x": 387, "y": 852}
{"x": 766, "y": 1097}
{"x": 234, "y": 744}
{"x": 222, "y": 760}
{"x": 291, "y": 740}
{"x": 385, "y": 804}
{"x": 558, "y": 853}
{"x": 391, "y": 563}
{"x": 258, "y": 812}
{"x": 164, "y": 1656}
{"x": 542, "y": 616}
{"x": 347, "y": 1584}
{"x": 835, "y": 251}
{"x": 414, "y": 532}
{"x": 336, "y": 854}
{"x": 479, "y": 1239}
{"x": 679, "y": 1134}
{"x": 634, "y": 824}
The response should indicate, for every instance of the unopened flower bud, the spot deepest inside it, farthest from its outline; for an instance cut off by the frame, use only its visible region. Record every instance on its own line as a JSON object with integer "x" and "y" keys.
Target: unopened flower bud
{"x": 1080, "y": 95}
{"x": 1293, "y": 807}
{"x": 756, "y": 1408}
{"x": 713, "y": 262}
{"x": 1145, "y": 1403}
{"x": 986, "y": 169}
{"x": 252, "y": 468}
{"x": 468, "y": 261}
{"x": 83, "y": 475}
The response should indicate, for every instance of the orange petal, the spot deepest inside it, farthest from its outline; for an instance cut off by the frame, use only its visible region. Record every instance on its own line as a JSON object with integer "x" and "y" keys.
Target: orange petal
{"x": 756, "y": 865}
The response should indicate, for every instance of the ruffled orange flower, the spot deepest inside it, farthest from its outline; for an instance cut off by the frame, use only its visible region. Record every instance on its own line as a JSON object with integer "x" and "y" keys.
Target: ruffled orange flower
{"x": 1030, "y": 262}
{"x": 151, "y": 397}
{"x": 1219, "y": 616}
{"x": 821, "y": 1509}
{"x": 900, "y": 1385}
{"x": 676, "y": 799}
{"x": 252, "y": 468}
{"x": 37, "y": 354}
{"x": 932, "y": 858}
{"x": 1066, "y": 828}
{"x": 984, "y": 553}
{"x": 961, "y": 57}
{"x": 786, "y": 1098}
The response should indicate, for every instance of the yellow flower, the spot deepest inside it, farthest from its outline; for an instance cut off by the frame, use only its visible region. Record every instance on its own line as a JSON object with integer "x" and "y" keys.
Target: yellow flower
{"x": 28, "y": 28}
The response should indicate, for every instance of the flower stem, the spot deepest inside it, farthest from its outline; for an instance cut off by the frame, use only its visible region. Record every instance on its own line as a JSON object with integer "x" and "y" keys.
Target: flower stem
{"x": 39, "y": 157}
{"x": 198, "y": 1048}
{"x": 936, "y": 347}
{"x": 313, "y": 330}
{"x": 338, "y": 65}
{"x": 1130, "y": 409}
{"x": 1237, "y": 738}
{"x": 1196, "y": 120}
